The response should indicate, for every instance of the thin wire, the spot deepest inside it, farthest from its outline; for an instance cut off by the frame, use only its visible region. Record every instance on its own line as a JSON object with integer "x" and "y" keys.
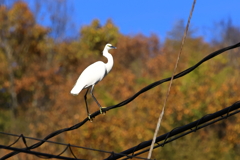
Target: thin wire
{"x": 170, "y": 84}
{"x": 64, "y": 144}
{"x": 181, "y": 74}
{"x": 39, "y": 154}
{"x": 59, "y": 143}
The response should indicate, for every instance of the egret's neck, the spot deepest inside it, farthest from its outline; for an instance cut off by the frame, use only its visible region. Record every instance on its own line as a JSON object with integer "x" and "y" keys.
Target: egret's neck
{"x": 109, "y": 64}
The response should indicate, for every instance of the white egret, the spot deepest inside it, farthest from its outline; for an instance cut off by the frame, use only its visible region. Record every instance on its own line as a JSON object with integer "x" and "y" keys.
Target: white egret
{"x": 92, "y": 75}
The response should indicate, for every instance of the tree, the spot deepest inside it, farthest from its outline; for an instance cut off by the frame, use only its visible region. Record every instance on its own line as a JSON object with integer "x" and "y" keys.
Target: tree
{"x": 20, "y": 38}
{"x": 45, "y": 69}
{"x": 95, "y": 36}
{"x": 228, "y": 34}
{"x": 178, "y": 29}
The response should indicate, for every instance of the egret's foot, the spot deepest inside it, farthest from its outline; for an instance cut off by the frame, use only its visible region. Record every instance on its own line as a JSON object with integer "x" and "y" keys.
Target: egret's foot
{"x": 89, "y": 117}
{"x": 102, "y": 112}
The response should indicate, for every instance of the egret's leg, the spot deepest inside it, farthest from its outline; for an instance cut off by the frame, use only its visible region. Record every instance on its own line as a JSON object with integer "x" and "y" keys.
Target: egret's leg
{"x": 85, "y": 98}
{"x": 96, "y": 100}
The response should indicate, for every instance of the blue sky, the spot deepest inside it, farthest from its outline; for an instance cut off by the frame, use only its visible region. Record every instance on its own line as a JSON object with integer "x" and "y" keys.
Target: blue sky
{"x": 153, "y": 16}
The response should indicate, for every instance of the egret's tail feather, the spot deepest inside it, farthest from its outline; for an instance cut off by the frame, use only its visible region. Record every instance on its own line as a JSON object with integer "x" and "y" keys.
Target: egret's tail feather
{"x": 76, "y": 90}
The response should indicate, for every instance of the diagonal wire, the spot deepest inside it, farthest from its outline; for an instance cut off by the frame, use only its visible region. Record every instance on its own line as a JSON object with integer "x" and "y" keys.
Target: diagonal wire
{"x": 170, "y": 84}
{"x": 198, "y": 124}
{"x": 181, "y": 74}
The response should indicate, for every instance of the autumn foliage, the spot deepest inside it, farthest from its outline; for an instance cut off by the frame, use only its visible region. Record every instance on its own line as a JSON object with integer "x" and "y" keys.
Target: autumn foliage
{"x": 37, "y": 74}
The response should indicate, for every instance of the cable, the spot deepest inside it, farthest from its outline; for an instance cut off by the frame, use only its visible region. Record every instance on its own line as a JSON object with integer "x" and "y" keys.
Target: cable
{"x": 210, "y": 56}
{"x": 186, "y": 133}
{"x": 181, "y": 74}
{"x": 196, "y": 125}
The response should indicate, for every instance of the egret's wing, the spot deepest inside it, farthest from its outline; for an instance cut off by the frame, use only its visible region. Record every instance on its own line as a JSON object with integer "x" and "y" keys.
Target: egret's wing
{"x": 90, "y": 76}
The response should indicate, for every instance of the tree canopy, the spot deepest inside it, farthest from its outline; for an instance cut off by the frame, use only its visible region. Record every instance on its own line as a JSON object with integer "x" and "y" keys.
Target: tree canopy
{"x": 38, "y": 72}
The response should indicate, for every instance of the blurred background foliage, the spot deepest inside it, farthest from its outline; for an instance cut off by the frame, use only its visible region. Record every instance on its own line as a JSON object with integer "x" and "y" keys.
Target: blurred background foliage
{"x": 38, "y": 71}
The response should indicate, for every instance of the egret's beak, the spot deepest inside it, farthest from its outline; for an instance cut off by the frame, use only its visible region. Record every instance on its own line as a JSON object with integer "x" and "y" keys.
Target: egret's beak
{"x": 113, "y": 47}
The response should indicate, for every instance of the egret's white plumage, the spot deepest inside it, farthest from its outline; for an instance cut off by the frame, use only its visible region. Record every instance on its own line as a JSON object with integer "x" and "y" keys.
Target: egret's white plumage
{"x": 93, "y": 74}
{"x": 90, "y": 76}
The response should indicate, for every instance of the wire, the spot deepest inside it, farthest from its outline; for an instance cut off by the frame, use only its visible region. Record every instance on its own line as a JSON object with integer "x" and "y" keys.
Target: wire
{"x": 193, "y": 127}
{"x": 39, "y": 154}
{"x": 210, "y": 56}
{"x": 68, "y": 146}
{"x": 64, "y": 144}
{"x": 170, "y": 84}
{"x": 181, "y": 74}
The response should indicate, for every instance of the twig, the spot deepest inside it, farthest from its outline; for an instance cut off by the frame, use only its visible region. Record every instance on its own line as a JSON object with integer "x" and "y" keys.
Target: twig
{"x": 170, "y": 84}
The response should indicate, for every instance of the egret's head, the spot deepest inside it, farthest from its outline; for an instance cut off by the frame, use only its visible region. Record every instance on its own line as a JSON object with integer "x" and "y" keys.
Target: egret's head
{"x": 109, "y": 46}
